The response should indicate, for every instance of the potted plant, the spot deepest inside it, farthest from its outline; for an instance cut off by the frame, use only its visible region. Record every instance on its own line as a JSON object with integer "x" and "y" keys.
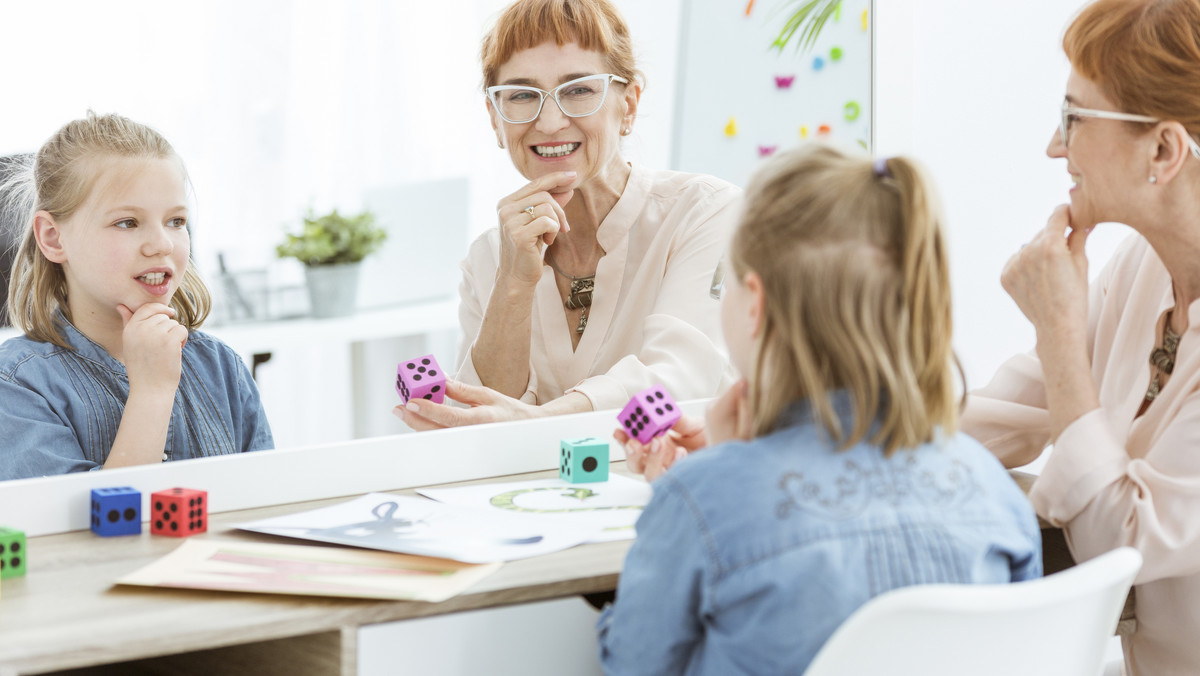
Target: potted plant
{"x": 332, "y": 247}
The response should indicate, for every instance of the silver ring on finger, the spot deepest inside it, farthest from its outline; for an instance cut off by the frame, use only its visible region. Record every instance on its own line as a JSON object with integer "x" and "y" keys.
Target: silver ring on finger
{"x": 529, "y": 210}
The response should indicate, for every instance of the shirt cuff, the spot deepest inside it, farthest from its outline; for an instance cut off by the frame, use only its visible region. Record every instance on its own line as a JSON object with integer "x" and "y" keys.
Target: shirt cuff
{"x": 1086, "y": 457}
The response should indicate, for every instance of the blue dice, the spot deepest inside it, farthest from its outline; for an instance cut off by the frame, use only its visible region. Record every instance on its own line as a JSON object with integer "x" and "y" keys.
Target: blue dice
{"x": 116, "y": 511}
{"x": 582, "y": 461}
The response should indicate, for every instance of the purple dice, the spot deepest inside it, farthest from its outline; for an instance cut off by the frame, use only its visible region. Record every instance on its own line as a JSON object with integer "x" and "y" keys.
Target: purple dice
{"x": 650, "y": 413}
{"x": 421, "y": 378}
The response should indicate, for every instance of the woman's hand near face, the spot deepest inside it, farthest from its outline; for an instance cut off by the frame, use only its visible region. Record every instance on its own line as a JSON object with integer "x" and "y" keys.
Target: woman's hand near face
{"x": 1048, "y": 279}
{"x": 152, "y": 347}
{"x": 522, "y": 236}
{"x": 486, "y": 405}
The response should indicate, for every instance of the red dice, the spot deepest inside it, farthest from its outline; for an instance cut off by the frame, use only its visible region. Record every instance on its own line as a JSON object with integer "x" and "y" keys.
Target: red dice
{"x": 179, "y": 512}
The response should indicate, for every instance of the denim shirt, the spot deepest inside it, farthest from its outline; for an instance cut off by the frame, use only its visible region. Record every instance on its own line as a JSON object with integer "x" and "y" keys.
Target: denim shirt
{"x": 60, "y": 409}
{"x": 750, "y": 554}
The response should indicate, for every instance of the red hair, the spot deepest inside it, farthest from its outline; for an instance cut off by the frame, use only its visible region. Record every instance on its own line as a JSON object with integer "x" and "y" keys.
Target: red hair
{"x": 1143, "y": 54}
{"x": 592, "y": 24}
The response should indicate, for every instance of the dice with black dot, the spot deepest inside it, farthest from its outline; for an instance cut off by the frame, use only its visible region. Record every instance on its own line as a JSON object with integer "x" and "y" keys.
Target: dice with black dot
{"x": 582, "y": 461}
{"x": 179, "y": 512}
{"x": 421, "y": 378}
{"x": 12, "y": 552}
{"x": 649, "y": 413}
{"x": 116, "y": 511}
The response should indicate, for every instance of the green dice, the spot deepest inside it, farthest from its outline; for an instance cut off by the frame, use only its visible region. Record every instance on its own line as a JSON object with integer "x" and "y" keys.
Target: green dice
{"x": 12, "y": 552}
{"x": 582, "y": 461}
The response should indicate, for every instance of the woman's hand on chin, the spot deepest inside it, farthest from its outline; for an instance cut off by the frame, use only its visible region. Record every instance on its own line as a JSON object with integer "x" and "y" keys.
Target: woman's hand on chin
{"x": 485, "y": 405}
{"x": 531, "y": 218}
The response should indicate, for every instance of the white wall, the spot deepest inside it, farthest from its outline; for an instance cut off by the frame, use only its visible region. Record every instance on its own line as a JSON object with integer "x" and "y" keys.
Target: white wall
{"x": 980, "y": 85}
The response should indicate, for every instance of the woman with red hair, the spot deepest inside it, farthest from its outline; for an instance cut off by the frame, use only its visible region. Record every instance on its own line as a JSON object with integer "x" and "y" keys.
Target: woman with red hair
{"x": 1114, "y": 381}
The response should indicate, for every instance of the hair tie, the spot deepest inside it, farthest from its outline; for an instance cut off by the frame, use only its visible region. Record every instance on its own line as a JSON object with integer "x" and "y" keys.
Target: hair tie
{"x": 881, "y": 168}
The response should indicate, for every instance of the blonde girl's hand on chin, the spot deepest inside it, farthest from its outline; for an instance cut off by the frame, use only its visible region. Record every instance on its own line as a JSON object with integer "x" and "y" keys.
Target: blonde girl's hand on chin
{"x": 485, "y": 405}
{"x": 1048, "y": 277}
{"x": 152, "y": 346}
{"x": 530, "y": 219}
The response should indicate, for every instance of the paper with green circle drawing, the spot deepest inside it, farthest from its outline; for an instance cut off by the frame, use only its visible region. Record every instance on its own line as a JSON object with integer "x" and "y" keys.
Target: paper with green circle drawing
{"x": 611, "y": 506}
{"x": 265, "y": 568}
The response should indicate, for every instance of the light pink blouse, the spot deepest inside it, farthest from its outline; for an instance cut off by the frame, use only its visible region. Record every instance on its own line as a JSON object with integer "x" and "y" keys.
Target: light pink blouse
{"x": 1113, "y": 479}
{"x": 651, "y": 320}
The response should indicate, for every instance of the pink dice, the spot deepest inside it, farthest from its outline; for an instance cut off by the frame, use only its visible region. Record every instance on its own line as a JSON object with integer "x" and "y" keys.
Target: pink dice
{"x": 650, "y": 413}
{"x": 421, "y": 378}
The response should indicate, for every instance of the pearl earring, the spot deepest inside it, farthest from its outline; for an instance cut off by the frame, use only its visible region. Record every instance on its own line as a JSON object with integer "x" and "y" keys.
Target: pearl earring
{"x": 500, "y": 144}
{"x": 625, "y": 131}
{"x": 1153, "y": 179}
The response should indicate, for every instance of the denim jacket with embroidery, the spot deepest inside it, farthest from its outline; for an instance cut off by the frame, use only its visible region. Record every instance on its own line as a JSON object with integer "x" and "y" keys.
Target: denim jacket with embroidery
{"x": 60, "y": 409}
{"x": 750, "y": 554}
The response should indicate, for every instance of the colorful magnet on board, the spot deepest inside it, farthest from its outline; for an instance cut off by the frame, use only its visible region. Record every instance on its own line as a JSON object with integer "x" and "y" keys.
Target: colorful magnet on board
{"x": 835, "y": 54}
{"x": 749, "y": 6}
{"x": 784, "y": 81}
{"x": 864, "y": 20}
{"x": 766, "y": 151}
{"x": 803, "y": 131}
{"x": 852, "y": 111}
{"x": 731, "y": 127}
{"x": 824, "y": 129}
{"x": 818, "y": 63}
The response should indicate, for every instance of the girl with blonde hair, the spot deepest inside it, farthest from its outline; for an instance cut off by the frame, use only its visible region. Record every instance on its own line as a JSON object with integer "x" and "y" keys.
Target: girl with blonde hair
{"x": 111, "y": 370}
{"x": 835, "y": 472}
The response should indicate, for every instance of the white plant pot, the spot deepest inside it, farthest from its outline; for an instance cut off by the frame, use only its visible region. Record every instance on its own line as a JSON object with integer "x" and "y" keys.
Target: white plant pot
{"x": 332, "y": 289}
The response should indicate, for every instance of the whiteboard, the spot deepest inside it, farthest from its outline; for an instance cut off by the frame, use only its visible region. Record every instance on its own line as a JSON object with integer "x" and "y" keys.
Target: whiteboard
{"x": 739, "y": 100}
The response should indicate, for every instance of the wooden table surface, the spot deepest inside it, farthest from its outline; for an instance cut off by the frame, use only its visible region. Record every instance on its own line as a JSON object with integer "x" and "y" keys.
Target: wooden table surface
{"x": 65, "y": 613}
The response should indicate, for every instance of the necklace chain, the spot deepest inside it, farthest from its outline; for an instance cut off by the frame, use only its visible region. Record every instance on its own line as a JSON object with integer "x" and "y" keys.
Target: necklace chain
{"x": 582, "y": 288}
{"x": 1163, "y": 358}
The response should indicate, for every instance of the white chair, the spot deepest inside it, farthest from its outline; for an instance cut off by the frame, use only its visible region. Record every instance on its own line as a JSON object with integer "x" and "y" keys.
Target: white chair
{"x": 1055, "y": 626}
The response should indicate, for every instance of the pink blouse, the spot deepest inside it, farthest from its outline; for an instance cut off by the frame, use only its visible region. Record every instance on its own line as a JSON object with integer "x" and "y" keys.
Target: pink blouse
{"x": 651, "y": 320}
{"x": 1114, "y": 479}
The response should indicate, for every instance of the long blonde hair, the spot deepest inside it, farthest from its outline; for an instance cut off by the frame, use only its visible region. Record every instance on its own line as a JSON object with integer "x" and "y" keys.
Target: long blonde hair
{"x": 64, "y": 173}
{"x": 857, "y": 295}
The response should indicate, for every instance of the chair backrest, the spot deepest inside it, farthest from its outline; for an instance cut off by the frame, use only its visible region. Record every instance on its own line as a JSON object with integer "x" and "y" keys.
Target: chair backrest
{"x": 1057, "y": 626}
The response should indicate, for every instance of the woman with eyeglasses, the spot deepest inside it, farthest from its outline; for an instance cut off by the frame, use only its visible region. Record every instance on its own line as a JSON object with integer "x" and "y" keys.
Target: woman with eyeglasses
{"x": 595, "y": 284}
{"x": 1114, "y": 381}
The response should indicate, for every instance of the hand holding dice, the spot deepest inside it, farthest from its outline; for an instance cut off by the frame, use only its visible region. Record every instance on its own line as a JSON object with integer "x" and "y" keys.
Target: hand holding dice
{"x": 649, "y": 414}
{"x": 421, "y": 378}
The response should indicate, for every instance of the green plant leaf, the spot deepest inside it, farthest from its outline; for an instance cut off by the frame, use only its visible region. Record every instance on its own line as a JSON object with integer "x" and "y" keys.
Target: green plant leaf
{"x": 332, "y": 238}
{"x": 808, "y": 19}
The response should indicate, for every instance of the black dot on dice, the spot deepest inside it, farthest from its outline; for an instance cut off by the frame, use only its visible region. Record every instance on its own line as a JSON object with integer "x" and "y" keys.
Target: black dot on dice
{"x": 425, "y": 362}
{"x": 199, "y": 523}
{"x": 130, "y": 514}
{"x": 158, "y": 504}
{"x": 429, "y": 396}
{"x": 659, "y": 395}
{"x": 95, "y": 520}
{"x": 658, "y": 410}
{"x": 432, "y": 373}
{"x": 649, "y": 399}
{"x": 420, "y": 369}
{"x": 589, "y": 464}
{"x": 628, "y": 423}
{"x": 113, "y": 516}
{"x": 416, "y": 376}
{"x": 158, "y": 525}
{"x": 412, "y": 366}
{"x": 670, "y": 407}
{"x": 174, "y": 525}
{"x": 174, "y": 507}
{"x": 192, "y": 502}
{"x": 646, "y": 419}
{"x": 436, "y": 388}
{"x": 200, "y": 500}
{"x": 639, "y": 410}
{"x": 16, "y": 562}
{"x": 15, "y": 547}
{"x": 95, "y": 506}
{"x": 640, "y": 427}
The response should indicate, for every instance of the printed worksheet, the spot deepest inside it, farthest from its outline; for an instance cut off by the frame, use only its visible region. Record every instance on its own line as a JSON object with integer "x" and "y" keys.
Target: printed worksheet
{"x": 610, "y": 507}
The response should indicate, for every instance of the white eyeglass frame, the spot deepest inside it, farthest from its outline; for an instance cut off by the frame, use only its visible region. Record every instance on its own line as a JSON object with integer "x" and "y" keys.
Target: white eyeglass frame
{"x": 609, "y": 79}
{"x": 1068, "y": 110}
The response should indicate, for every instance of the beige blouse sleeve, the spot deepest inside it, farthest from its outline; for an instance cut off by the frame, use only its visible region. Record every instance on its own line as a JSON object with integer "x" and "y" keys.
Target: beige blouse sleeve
{"x": 682, "y": 346}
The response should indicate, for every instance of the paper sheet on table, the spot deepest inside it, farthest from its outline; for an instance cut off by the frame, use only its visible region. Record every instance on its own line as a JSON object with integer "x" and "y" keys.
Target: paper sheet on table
{"x": 264, "y": 568}
{"x": 611, "y": 507}
{"x": 412, "y": 525}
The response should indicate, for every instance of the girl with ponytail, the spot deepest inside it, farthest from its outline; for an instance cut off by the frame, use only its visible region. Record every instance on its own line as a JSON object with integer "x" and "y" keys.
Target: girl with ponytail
{"x": 834, "y": 470}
